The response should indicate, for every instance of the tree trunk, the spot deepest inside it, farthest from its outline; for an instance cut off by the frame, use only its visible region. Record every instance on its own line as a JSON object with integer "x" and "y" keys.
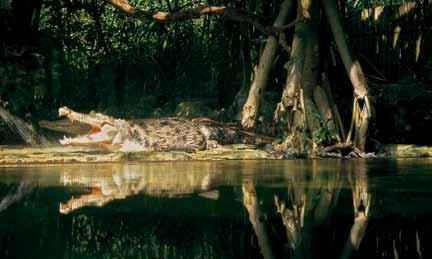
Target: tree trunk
{"x": 251, "y": 107}
{"x": 303, "y": 71}
{"x": 361, "y": 109}
{"x": 311, "y": 65}
{"x": 292, "y": 96}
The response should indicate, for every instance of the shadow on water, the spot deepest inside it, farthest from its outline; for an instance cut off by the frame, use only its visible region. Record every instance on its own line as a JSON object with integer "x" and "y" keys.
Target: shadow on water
{"x": 233, "y": 209}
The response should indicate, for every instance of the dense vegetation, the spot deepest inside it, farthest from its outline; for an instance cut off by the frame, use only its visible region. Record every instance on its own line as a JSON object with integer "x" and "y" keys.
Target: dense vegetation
{"x": 230, "y": 65}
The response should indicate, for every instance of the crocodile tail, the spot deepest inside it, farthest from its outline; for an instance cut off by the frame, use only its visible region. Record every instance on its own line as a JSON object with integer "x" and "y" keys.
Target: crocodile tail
{"x": 246, "y": 136}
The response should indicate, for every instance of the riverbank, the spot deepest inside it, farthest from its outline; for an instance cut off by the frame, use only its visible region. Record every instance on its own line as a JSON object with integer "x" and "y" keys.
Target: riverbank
{"x": 12, "y": 155}
{"x": 55, "y": 155}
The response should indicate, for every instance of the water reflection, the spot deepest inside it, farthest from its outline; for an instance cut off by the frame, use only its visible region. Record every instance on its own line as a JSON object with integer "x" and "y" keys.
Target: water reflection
{"x": 309, "y": 206}
{"x": 310, "y": 200}
{"x": 122, "y": 181}
{"x": 361, "y": 200}
{"x": 267, "y": 209}
{"x": 23, "y": 189}
{"x": 251, "y": 203}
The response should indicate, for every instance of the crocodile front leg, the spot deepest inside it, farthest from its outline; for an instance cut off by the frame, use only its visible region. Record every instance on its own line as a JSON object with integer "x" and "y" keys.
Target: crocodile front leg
{"x": 212, "y": 144}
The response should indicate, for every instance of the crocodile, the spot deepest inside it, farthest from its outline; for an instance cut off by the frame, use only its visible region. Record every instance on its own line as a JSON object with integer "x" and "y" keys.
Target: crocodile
{"x": 163, "y": 134}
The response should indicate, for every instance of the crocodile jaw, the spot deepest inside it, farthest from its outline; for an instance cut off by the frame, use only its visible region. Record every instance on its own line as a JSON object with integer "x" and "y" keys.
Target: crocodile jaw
{"x": 104, "y": 135}
{"x": 96, "y": 120}
{"x": 103, "y": 128}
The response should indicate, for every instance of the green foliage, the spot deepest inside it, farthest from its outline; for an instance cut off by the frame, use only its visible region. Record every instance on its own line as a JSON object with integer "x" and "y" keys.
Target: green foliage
{"x": 25, "y": 89}
{"x": 5, "y": 4}
{"x": 324, "y": 135}
{"x": 98, "y": 57}
{"x": 281, "y": 138}
{"x": 92, "y": 56}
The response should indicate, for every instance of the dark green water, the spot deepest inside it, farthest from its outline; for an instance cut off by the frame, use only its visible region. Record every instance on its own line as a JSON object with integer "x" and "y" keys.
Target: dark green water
{"x": 233, "y": 209}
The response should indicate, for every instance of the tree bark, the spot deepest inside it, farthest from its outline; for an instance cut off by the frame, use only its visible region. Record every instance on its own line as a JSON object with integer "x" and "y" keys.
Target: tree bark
{"x": 297, "y": 102}
{"x": 295, "y": 68}
{"x": 355, "y": 74}
{"x": 256, "y": 91}
{"x": 310, "y": 72}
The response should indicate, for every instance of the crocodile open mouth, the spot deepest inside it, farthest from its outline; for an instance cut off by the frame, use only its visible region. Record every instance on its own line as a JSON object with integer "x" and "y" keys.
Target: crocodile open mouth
{"x": 102, "y": 127}
{"x": 66, "y": 126}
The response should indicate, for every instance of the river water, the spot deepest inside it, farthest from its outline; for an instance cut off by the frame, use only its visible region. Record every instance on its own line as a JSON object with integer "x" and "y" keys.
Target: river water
{"x": 223, "y": 209}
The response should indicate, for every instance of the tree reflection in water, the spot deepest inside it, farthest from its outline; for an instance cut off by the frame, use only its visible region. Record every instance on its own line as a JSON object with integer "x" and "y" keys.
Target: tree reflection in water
{"x": 311, "y": 200}
{"x": 361, "y": 200}
{"x": 251, "y": 203}
{"x": 23, "y": 189}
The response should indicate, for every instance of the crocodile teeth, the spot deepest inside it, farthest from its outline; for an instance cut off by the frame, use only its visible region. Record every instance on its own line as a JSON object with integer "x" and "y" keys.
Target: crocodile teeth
{"x": 65, "y": 140}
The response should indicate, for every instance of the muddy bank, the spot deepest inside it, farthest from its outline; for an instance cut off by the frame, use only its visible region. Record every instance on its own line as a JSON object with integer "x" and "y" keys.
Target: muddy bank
{"x": 56, "y": 155}
{"x": 46, "y": 155}
{"x": 404, "y": 151}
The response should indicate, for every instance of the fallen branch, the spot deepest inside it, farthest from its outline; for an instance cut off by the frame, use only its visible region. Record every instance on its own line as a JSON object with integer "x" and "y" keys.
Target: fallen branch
{"x": 198, "y": 12}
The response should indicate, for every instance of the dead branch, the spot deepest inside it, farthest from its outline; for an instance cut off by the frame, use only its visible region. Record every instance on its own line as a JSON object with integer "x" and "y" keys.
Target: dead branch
{"x": 338, "y": 146}
{"x": 197, "y": 12}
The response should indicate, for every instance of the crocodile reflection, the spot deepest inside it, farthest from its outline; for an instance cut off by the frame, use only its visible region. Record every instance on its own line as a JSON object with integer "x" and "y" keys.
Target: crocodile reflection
{"x": 122, "y": 181}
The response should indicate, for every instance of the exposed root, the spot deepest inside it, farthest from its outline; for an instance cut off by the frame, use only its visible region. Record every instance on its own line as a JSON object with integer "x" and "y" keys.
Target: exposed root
{"x": 343, "y": 150}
